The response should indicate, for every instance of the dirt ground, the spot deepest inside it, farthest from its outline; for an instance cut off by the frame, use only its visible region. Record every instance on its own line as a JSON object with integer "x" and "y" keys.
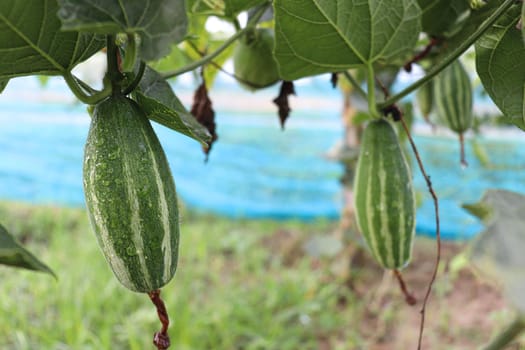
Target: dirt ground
{"x": 464, "y": 310}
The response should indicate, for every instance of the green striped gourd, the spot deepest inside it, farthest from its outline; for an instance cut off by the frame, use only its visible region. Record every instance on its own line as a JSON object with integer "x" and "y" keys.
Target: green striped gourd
{"x": 453, "y": 100}
{"x": 425, "y": 99}
{"x": 384, "y": 196}
{"x": 130, "y": 196}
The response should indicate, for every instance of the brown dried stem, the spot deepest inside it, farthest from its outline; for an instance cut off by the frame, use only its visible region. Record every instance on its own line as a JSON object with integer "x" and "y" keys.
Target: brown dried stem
{"x": 462, "y": 157}
{"x": 409, "y": 297}
{"x": 161, "y": 339}
{"x": 438, "y": 232}
{"x": 418, "y": 57}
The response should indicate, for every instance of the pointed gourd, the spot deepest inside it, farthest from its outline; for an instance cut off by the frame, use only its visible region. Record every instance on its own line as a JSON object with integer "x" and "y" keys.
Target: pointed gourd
{"x": 130, "y": 196}
{"x": 453, "y": 100}
{"x": 384, "y": 196}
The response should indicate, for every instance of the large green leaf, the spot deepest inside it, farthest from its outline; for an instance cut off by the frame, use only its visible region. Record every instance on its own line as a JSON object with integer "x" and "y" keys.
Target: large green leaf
{"x": 498, "y": 250}
{"x": 160, "y": 23}
{"x": 469, "y": 26}
{"x": 13, "y": 254}
{"x": 160, "y": 104}
{"x": 207, "y": 7}
{"x": 319, "y": 36}
{"x": 3, "y": 84}
{"x": 233, "y": 7}
{"x": 31, "y": 41}
{"x": 441, "y": 17}
{"x": 500, "y": 63}
{"x": 228, "y": 8}
{"x": 523, "y": 21}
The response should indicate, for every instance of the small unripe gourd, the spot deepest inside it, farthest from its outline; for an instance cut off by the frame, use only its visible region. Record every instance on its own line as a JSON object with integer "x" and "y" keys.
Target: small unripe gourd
{"x": 253, "y": 61}
{"x": 384, "y": 196}
{"x": 453, "y": 100}
{"x": 130, "y": 196}
{"x": 425, "y": 99}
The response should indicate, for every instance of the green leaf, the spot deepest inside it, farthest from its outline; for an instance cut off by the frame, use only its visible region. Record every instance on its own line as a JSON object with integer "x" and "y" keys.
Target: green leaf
{"x": 228, "y": 8}
{"x": 500, "y": 57}
{"x": 176, "y": 58}
{"x": 523, "y": 21}
{"x": 3, "y": 84}
{"x": 316, "y": 36}
{"x": 498, "y": 250}
{"x": 13, "y": 254}
{"x": 160, "y": 23}
{"x": 205, "y": 43}
{"x": 160, "y": 104}
{"x": 469, "y": 26}
{"x": 32, "y": 43}
{"x": 442, "y": 17}
{"x": 234, "y": 7}
{"x": 208, "y": 7}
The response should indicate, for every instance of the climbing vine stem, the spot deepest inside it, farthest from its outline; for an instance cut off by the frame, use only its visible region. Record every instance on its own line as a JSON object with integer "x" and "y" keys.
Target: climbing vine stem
{"x": 451, "y": 57}
{"x": 196, "y": 64}
{"x": 438, "y": 231}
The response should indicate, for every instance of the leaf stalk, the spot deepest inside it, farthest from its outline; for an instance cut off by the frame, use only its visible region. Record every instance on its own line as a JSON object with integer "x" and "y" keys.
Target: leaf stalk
{"x": 508, "y": 335}
{"x": 372, "y": 109}
{"x": 355, "y": 84}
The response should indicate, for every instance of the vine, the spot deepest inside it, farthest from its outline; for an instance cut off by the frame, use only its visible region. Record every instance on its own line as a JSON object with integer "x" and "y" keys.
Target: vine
{"x": 438, "y": 231}
{"x": 450, "y": 57}
{"x": 198, "y": 63}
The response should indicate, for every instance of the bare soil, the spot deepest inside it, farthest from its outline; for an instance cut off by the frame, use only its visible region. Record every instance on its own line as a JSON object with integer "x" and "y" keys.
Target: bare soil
{"x": 464, "y": 311}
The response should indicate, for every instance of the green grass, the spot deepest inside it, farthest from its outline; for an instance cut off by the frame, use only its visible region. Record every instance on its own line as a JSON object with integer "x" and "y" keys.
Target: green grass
{"x": 240, "y": 285}
{"x": 230, "y": 290}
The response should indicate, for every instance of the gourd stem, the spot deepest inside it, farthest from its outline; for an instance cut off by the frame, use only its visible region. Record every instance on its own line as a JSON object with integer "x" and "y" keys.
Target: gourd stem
{"x": 355, "y": 84}
{"x": 114, "y": 74}
{"x": 409, "y": 297}
{"x": 451, "y": 57}
{"x": 161, "y": 339}
{"x": 196, "y": 64}
{"x": 462, "y": 156}
{"x": 507, "y": 335}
